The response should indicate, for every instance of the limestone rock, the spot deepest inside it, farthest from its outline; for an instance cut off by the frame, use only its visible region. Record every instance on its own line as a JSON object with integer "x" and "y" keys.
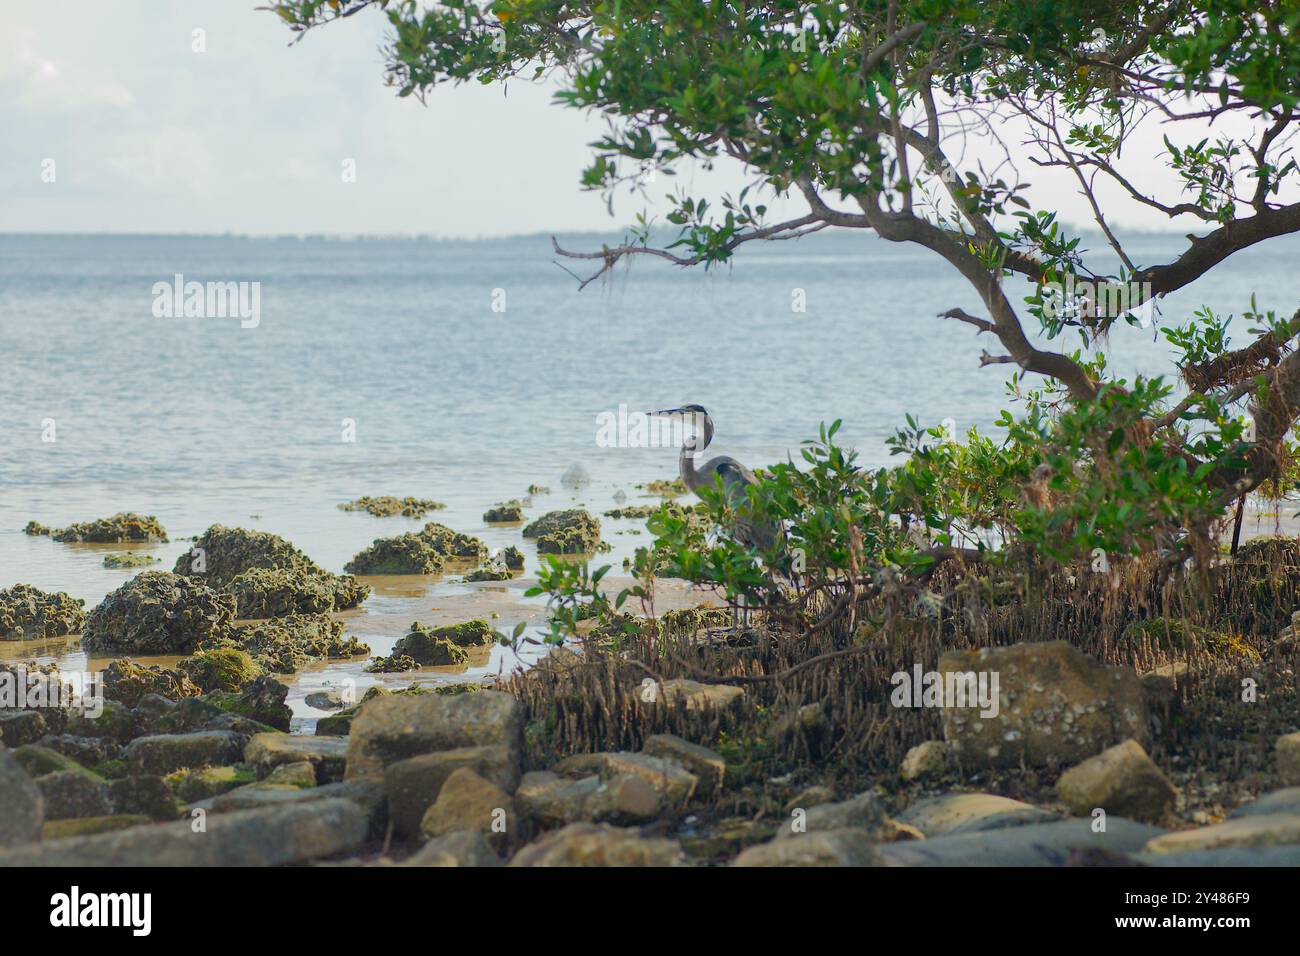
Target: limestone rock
{"x": 396, "y": 727}
{"x": 468, "y": 802}
{"x": 1056, "y": 705}
{"x": 594, "y": 844}
{"x": 957, "y": 813}
{"x": 164, "y": 753}
{"x": 709, "y": 768}
{"x": 835, "y": 847}
{"x": 21, "y": 806}
{"x": 925, "y": 760}
{"x": 461, "y": 848}
{"x": 1122, "y": 781}
{"x": 328, "y": 755}
{"x": 413, "y": 784}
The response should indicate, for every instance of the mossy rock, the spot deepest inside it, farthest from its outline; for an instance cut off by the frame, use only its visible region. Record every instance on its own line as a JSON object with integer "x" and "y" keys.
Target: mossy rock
{"x": 1271, "y": 550}
{"x": 573, "y": 531}
{"x": 667, "y": 487}
{"x": 394, "y": 664}
{"x": 504, "y": 511}
{"x": 129, "y": 559}
{"x": 158, "y": 612}
{"x": 276, "y": 592}
{"x": 191, "y": 786}
{"x": 119, "y": 529}
{"x": 386, "y": 506}
{"x": 36, "y": 529}
{"x": 28, "y": 613}
{"x": 38, "y": 760}
{"x": 260, "y": 701}
{"x": 404, "y": 554}
{"x": 421, "y": 552}
{"x": 88, "y": 826}
{"x": 441, "y": 647}
{"x": 1179, "y": 635}
{"x": 633, "y": 511}
{"x": 220, "y": 668}
{"x": 287, "y": 644}
{"x": 512, "y": 558}
{"x": 126, "y": 682}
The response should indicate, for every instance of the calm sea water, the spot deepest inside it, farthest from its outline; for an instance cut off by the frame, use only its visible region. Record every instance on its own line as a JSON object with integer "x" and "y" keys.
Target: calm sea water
{"x": 200, "y": 421}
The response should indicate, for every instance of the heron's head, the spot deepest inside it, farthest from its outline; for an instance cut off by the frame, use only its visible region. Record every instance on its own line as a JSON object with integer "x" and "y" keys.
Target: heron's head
{"x": 695, "y": 422}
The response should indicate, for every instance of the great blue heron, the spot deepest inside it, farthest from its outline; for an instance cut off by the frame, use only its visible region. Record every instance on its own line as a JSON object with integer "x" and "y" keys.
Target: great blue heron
{"x": 736, "y": 478}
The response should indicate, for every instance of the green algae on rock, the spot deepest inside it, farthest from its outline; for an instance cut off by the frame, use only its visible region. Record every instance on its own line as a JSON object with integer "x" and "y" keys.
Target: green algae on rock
{"x": 277, "y": 578}
{"x": 1176, "y": 634}
{"x": 28, "y": 613}
{"x": 158, "y": 612}
{"x": 395, "y": 664}
{"x": 119, "y": 529}
{"x": 129, "y": 559}
{"x": 666, "y": 488}
{"x": 490, "y": 572}
{"x": 505, "y": 511}
{"x": 387, "y": 506}
{"x": 36, "y": 529}
{"x": 126, "y": 682}
{"x": 573, "y": 531}
{"x": 220, "y": 668}
{"x": 443, "y": 645}
{"x": 288, "y": 644}
{"x": 421, "y": 552}
{"x": 276, "y": 592}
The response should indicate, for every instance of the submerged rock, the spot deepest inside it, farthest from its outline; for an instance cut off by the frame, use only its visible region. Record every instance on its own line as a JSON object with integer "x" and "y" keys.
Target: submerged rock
{"x": 1056, "y": 705}
{"x": 222, "y": 555}
{"x": 129, "y": 559}
{"x": 575, "y": 476}
{"x": 490, "y": 572}
{"x": 28, "y": 613}
{"x": 119, "y": 529}
{"x": 158, "y": 612}
{"x": 572, "y": 531}
{"x": 386, "y": 506}
{"x": 504, "y": 511}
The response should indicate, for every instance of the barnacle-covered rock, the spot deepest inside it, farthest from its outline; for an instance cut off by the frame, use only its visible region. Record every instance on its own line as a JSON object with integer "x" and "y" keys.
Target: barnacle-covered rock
{"x": 396, "y": 664}
{"x": 129, "y": 559}
{"x": 28, "y": 613}
{"x": 666, "y": 487}
{"x": 126, "y": 682}
{"x": 158, "y": 612}
{"x": 277, "y": 577}
{"x": 36, "y": 529}
{"x": 404, "y": 554}
{"x": 122, "y": 527}
{"x": 273, "y": 592}
{"x": 443, "y": 646}
{"x": 505, "y": 511}
{"x": 220, "y": 668}
{"x": 565, "y": 532}
{"x": 512, "y": 558}
{"x": 632, "y": 511}
{"x": 422, "y": 552}
{"x": 386, "y": 506}
{"x": 288, "y": 644}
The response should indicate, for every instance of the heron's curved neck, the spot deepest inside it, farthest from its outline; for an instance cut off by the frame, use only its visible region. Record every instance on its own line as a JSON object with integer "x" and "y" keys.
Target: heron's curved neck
{"x": 687, "y": 467}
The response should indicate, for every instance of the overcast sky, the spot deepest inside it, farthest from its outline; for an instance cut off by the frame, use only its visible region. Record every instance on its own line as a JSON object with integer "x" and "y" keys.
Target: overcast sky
{"x": 147, "y": 135}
